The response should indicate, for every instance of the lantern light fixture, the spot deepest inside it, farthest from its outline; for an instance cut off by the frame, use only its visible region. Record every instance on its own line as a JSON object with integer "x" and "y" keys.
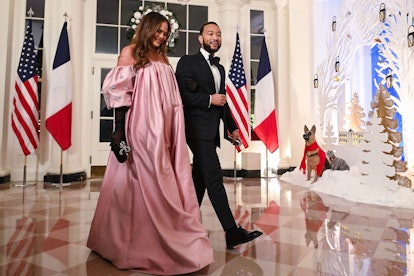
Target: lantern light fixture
{"x": 334, "y": 24}
{"x": 382, "y": 12}
{"x": 410, "y": 36}
{"x": 337, "y": 64}
{"x": 388, "y": 79}
{"x": 315, "y": 81}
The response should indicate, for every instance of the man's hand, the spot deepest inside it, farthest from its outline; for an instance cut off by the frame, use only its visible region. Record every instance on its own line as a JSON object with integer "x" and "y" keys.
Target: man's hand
{"x": 235, "y": 135}
{"x": 218, "y": 99}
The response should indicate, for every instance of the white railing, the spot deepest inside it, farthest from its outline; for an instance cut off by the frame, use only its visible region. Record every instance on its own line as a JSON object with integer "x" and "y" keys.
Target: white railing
{"x": 350, "y": 137}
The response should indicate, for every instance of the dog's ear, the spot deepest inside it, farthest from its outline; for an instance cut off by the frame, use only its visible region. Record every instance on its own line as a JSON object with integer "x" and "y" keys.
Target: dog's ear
{"x": 313, "y": 129}
{"x": 305, "y": 129}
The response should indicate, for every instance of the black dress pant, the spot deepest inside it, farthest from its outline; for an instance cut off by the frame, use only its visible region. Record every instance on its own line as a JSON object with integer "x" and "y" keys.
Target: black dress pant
{"x": 207, "y": 174}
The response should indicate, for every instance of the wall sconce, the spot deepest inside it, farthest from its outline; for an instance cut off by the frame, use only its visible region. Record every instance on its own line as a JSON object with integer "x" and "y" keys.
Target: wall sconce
{"x": 337, "y": 64}
{"x": 315, "y": 81}
{"x": 334, "y": 24}
{"x": 388, "y": 80}
{"x": 382, "y": 12}
{"x": 410, "y": 36}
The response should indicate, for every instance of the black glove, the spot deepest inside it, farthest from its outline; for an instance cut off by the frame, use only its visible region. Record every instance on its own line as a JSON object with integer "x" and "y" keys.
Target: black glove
{"x": 118, "y": 139}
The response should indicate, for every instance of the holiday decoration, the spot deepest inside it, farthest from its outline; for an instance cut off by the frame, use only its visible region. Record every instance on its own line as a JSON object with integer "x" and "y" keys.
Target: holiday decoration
{"x": 398, "y": 58}
{"x": 143, "y": 10}
{"x": 385, "y": 108}
{"x": 376, "y": 167}
{"x": 357, "y": 115}
{"x": 356, "y": 25}
{"x": 329, "y": 138}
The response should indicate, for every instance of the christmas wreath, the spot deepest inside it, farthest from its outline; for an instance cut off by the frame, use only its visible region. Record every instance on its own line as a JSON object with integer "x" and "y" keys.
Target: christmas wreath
{"x": 143, "y": 10}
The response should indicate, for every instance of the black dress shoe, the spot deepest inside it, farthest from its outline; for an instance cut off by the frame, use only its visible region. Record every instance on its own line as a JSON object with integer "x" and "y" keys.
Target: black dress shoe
{"x": 240, "y": 236}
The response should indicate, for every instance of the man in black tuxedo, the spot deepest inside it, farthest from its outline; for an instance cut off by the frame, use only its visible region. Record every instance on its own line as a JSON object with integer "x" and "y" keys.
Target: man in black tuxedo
{"x": 202, "y": 86}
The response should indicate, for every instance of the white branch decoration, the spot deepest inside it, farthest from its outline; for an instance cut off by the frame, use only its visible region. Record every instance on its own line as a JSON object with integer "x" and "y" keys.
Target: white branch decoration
{"x": 357, "y": 25}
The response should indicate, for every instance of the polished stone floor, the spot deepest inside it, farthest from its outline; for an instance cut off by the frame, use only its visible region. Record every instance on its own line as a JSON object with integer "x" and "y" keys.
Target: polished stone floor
{"x": 44, "y": 228}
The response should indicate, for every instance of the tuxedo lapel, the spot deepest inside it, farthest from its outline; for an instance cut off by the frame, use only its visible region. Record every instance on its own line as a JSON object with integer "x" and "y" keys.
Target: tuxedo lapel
{"x": 205, "y": 67}
{"x": 222, "y": 79}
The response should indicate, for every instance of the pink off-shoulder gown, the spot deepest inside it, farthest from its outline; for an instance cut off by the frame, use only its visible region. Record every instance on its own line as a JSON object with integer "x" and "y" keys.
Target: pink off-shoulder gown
{"x": 147, "y": 217}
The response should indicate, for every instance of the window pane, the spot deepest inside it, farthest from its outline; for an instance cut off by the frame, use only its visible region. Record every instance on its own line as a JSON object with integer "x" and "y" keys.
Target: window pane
{"x": 107, "y": 12}
{"x": 180, "y": 13}
{"x": 124, "y": 40}
{"x": 254, "y": 66}
{"x": 105, "y": 112}
{"x": 37, "y": 30}
{"x": 38, "y": 7}
{"x": 106, "y": 40}
{"x": 127, "y": 9}
{"x": 193, "y": 44}
{"x": 105, "y": 130}
{"x": 256, "y": 22}
{"x": 39, "y": 89}
{"x": 252, "y": 99}
{"x": 198, "y": 15}
{"x": 104, "y": 72}
{"x": 255, "y": 46}
{"x": 179, "y": 48}
{"x": 39, "y": 62}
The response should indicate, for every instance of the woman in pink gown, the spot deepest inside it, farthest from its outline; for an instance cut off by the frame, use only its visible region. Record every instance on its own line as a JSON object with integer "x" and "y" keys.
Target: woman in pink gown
{"x": 147, "y": 217}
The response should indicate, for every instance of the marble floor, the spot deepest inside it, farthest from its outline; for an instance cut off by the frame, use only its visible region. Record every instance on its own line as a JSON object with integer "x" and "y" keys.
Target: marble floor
{"x": 44, "y": 228}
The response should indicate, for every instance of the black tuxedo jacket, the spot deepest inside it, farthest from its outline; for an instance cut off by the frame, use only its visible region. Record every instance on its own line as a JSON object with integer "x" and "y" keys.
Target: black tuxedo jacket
{"x": 196, "y": 83}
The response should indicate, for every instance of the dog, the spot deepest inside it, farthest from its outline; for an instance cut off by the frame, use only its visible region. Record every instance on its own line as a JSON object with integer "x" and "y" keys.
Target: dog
{"x": 314, "y": 158}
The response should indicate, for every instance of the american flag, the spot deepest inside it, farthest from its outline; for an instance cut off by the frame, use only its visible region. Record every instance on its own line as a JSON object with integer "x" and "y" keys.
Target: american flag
{"x": 25, "y": 114}
{"x": 237, "y": 96}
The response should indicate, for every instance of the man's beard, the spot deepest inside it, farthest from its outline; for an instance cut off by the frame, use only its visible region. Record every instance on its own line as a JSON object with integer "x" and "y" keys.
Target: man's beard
{"x": 208, "y": 48}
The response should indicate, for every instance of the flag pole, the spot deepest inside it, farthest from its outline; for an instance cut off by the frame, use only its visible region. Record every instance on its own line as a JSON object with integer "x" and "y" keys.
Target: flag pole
{"x": 234, "y": 162}
{"x": 24, "y": 184}
{"x": 61, "y": 184}
{"x": 61, "y": 172}
{"x": 267, "y": 165}
{"x": 235, "y": 178}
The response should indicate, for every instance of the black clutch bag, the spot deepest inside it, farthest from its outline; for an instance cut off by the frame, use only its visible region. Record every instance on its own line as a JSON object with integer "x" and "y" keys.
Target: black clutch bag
{"x": 121, "y": 151}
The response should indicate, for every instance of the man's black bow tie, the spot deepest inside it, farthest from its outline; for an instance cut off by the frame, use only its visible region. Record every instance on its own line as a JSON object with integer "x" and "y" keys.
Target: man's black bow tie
{"x": 214, "y": 60}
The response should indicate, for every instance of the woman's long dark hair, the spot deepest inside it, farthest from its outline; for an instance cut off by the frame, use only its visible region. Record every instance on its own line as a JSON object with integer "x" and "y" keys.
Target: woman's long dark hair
{"x": 144, "y": 34}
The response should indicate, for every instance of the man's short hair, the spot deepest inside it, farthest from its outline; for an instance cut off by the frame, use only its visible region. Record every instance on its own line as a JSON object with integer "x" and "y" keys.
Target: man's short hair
{"x": 205, "y": 24}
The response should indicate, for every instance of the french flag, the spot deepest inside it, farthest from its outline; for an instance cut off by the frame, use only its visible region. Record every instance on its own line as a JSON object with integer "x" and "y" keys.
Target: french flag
{"x": 265, "y": 124}
{"x": 59, "y": 100}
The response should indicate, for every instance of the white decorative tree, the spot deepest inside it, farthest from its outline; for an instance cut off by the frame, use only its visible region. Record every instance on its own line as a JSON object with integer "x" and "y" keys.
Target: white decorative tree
{"x": 398, "y": 60}
{"x": 329, "y": 139}
{"x": 385, "y": 110}
{"x": 377, "y": 163}
{"x": 356, "y": 115}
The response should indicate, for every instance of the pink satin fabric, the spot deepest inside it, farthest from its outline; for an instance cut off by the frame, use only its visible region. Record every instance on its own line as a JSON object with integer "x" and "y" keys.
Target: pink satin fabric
{"x": 147, "y": 217}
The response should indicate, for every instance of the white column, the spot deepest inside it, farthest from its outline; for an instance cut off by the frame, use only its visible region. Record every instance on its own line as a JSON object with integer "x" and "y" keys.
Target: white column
{"x": 229, "y": 16}
{"x": 5, "y": 12}
{"x": 283, "y": 85}
{"x": 73, "y": 161}
{"x": 302, "y": 100}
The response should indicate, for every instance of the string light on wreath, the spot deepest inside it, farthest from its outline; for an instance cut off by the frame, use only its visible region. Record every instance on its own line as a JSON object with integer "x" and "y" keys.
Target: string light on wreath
{"x": 143, "y": 10}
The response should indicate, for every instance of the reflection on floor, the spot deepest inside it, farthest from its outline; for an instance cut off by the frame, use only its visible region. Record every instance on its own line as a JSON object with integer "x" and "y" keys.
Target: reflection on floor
{"x": 43, "y": 231}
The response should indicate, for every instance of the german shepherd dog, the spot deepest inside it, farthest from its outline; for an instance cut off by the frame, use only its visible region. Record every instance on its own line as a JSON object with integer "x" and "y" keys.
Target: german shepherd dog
{"x": 314, "y": 158}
